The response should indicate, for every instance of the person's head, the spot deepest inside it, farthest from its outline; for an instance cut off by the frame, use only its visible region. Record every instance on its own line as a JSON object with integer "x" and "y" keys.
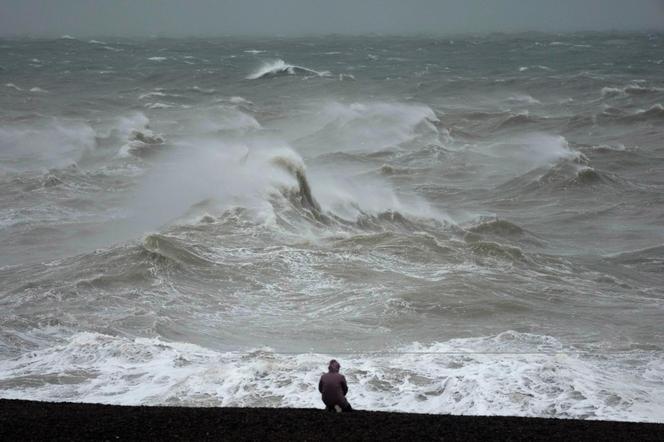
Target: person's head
{"x": 334, "y": 366}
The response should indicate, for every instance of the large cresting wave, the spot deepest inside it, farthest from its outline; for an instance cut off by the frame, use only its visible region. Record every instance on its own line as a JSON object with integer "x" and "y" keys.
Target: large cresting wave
{"x": 280, "y": 67}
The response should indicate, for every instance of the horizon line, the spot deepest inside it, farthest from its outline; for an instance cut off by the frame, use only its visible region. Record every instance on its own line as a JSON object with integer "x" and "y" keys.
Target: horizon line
{"x": 372, "y": 34}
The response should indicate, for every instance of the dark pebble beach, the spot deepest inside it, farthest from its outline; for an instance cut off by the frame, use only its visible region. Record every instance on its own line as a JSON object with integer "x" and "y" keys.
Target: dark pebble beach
{"x": 29, "y": 420}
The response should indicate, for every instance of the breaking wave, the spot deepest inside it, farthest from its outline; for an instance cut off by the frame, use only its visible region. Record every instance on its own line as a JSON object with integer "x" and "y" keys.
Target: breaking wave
{"x": 371, "y": 127}
{"x": 302, "y": 196}
{"x": 140, "y": 139}
{"x": 654, "y": 112}
{"x": 510, "y": 373}
{"x": 51, "y": 144}
{"x": 148, "y": 252}
{"x": 632, "y": 89}
{"x": 279, "y": 67}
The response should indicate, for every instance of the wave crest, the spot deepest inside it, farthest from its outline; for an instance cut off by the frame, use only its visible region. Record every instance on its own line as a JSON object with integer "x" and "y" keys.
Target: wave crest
{"x": 499, "y": 227}
{"x": 280, "y": 67}
{"x": 302, "y": 194}
{"x": 632, "y": 89}
{"x": 169, "y": 250}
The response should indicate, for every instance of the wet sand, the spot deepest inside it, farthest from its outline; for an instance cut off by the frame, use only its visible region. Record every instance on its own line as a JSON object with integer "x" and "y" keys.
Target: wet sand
{"x": 28, "y": 420}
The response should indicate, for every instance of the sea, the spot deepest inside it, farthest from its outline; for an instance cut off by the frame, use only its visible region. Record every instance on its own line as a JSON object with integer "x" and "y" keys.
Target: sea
{"x": 470, "y": 225}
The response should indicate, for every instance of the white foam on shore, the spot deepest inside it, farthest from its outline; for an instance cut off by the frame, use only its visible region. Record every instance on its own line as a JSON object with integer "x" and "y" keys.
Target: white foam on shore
{"x": 508, "y": 374}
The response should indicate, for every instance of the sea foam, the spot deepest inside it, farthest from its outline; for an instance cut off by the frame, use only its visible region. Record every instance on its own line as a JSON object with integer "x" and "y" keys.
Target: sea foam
{"x": 507, "y": 374}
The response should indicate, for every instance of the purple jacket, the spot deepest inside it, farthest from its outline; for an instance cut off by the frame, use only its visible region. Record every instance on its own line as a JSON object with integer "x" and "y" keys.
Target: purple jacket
{"x": 333, "y": 386}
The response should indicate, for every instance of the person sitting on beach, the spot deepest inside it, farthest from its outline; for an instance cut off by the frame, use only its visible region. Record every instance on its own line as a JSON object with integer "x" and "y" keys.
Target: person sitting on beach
{"x": 333, "y": 387}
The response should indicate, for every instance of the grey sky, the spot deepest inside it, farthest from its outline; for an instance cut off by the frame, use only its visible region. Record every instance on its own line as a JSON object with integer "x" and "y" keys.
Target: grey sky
{"x": 292, "y": 17}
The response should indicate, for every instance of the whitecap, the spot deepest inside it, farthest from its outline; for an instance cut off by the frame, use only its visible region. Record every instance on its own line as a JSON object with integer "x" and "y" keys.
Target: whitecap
{"x": 203, "y": 90}
{"x": 139, "y": 137}
{"x": 610, "y": 91}
{"x": 370, "y": 126}
{"x": 158, "y": 105}
{"x": 636, "y": 88}
{"x": 125, "y": 126}
{"x": 531, "y": 151}
{"x": 151, "y": 94}
{"x": 280, "y": 67}
{"x": 239, "y": 100}
{"x": 512, "y": 373}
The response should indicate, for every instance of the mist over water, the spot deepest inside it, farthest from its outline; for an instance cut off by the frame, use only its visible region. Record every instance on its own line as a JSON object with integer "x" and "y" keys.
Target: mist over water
{"x": 471, "y": 226}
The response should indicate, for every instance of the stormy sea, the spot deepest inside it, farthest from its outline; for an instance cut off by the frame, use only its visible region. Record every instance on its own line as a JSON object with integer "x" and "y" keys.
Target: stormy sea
{"x": 470, "y": 225}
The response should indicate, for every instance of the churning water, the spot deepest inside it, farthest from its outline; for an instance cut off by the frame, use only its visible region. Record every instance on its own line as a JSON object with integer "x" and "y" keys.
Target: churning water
{"x": 471, "y": 226}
